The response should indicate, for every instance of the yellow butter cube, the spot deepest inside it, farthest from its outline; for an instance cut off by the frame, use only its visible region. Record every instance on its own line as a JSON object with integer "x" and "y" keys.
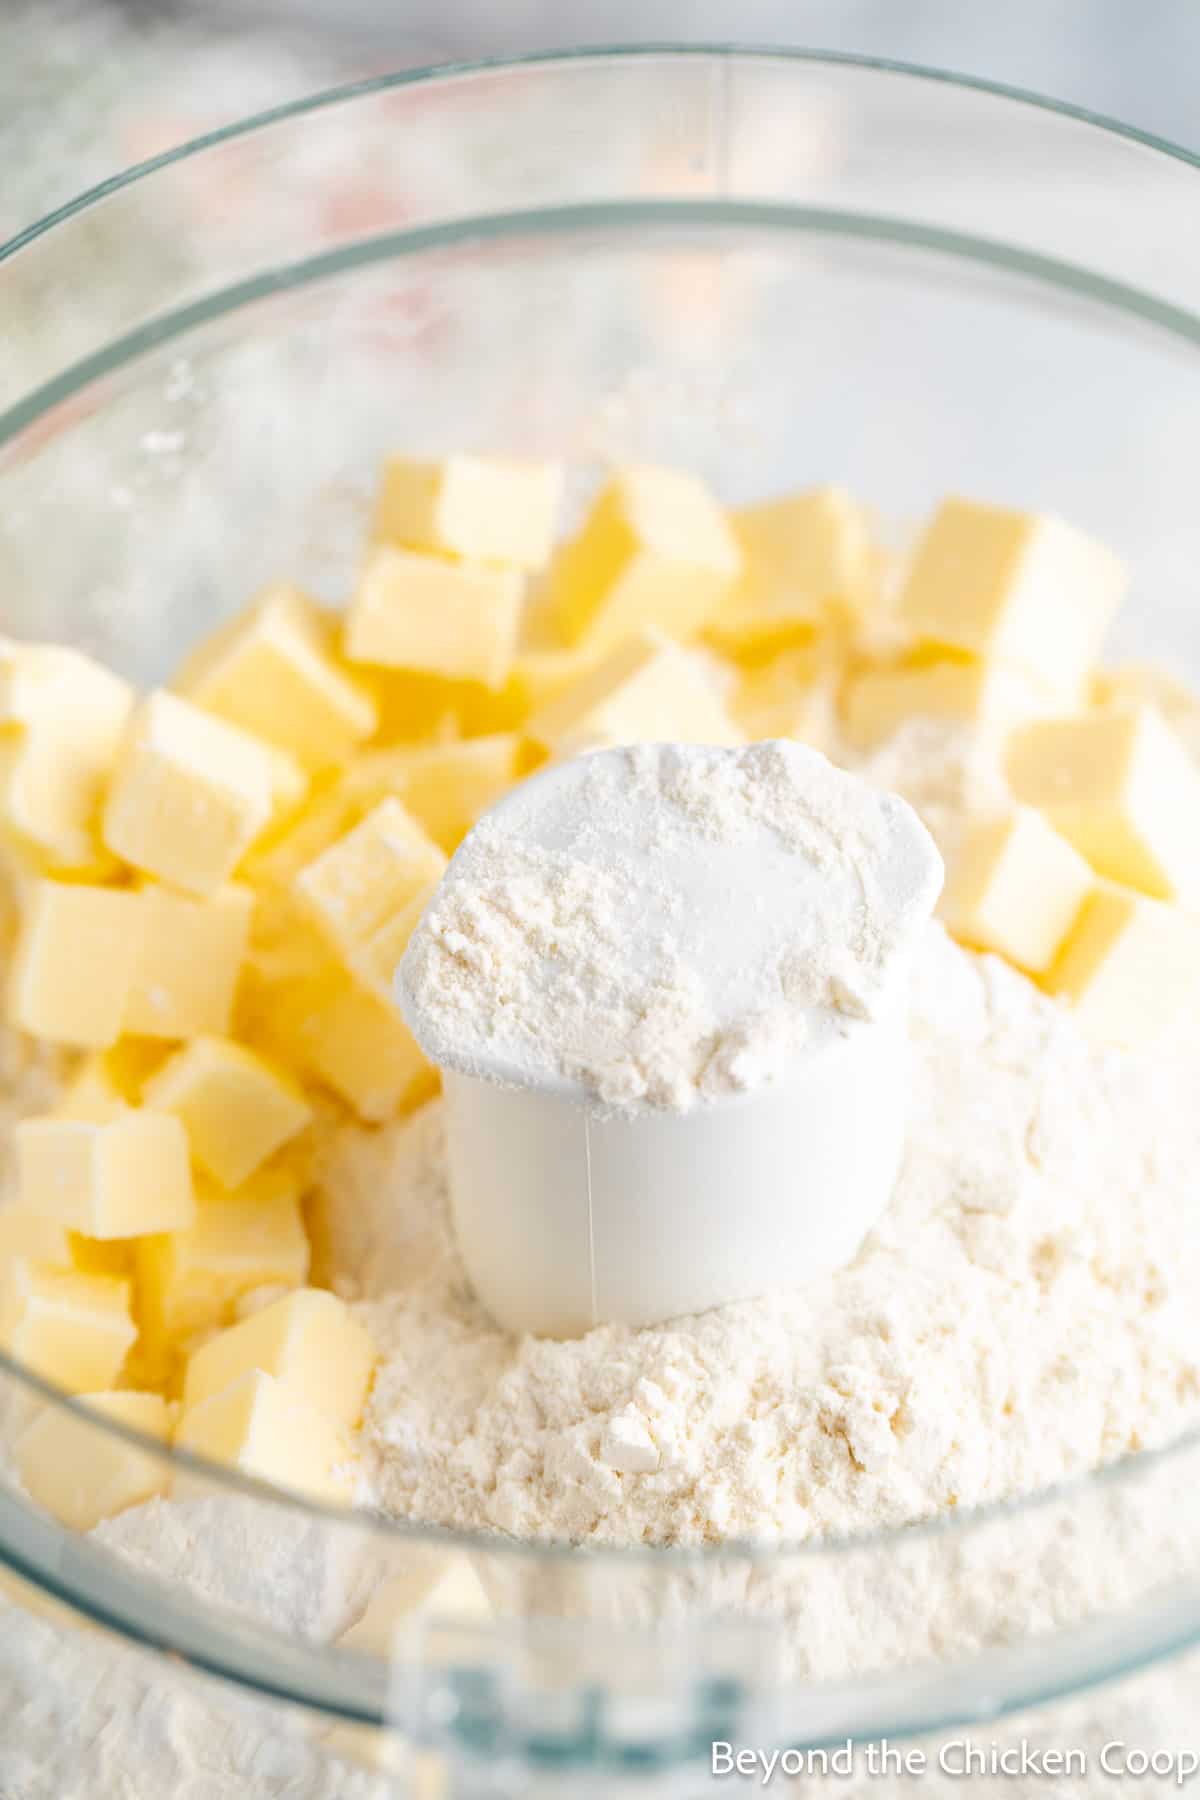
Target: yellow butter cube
{"x": 1016, "y": 888}
{"x": 72, "y": 970}
{"x": 67, "y": 716}
{"x": 1015, "y": 587}
{"x": 353, "y": 1040}
{"x": 27, "y": 1232}
{"x": 1130, "y": 968}
{"x": 237, "y": 1107}
{"x": 805, "y": 558}
{"x": 1122, "y": 788}
{"x": 444, "y": 786}
{"x": 263, "y": 1428}
{"x": 368, "y": 875}
{"x": 416, "y": 611}
{"x": 37, "y": 681}
{"x": 190, "y": 794}
{"x": 81, "y": 1471}
{"x": 376, "y": 959}
{"x": 490, "y": 508}
{"x": 104, "y": 1087}
{"x": 308, "y": 1339}
{"x": 656, "y": 549}
{"x": 50, "y": 807}
{"x": 190, "y": 955}
{"x": 114, "y": 1178}
{"x": 71, "y": 1328}
{"x": 877, "y": 702}
{"x": 190, "y": 1281}
{"x": 270, "y": 672}
{"x": 540, "y": 675}
{"x": 441, "y": 1584}
{"x": 650, "y": 690}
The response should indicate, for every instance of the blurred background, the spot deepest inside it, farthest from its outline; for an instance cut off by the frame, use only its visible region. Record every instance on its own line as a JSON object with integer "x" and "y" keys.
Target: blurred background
{"x": 90, "y": 86}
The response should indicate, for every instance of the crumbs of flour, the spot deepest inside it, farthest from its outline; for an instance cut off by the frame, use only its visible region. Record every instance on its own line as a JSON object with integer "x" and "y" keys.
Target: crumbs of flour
{"x": 1024, "y": 1311}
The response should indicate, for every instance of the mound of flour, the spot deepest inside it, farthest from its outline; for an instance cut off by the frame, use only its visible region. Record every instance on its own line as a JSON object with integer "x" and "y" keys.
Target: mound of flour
{"x": 1024, "y": 1311}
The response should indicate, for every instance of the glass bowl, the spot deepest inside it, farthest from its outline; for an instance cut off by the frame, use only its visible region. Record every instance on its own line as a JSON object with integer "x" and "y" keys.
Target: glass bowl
{"x": 776, "y": 269}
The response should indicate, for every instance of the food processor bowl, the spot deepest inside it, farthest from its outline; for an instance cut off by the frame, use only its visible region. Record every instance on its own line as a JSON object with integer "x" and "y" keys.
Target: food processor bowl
{"x": 778, "y": 269}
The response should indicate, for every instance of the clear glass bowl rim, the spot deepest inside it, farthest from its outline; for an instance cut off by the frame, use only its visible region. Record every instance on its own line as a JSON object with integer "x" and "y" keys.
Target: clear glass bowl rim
{"x": 41, "y": 1566}
{"x": 593, "y": 53}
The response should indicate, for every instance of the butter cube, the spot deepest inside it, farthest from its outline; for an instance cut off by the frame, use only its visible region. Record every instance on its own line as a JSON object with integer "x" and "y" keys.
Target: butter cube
{"x": 354, "y": 1041}
{"x": 416, "y": 611}
{"x": 107, "y": 1086}
{"x": 50, "y": 808}
{"x": 439, "y": 1584}
{"x": 70, "y": 1328}
{"x": 310, "y": 1340}
{"x": 377, "y": 958}
{"x": 656, "y": 549}
{"x": 540, "y": 675}
{"x": 190, "y": 794}
{"x": 26, "y": 1232}
{"x": 1130, "y": 968}
{"x": 805, "y": 558}
{"x": 39, "y": 681}
{"x": 72, "y": 970}
{"x": 237, "y": 1108}
{"x": 263, "y": 1428}
{"x": 189, "y": 957}
{"x": 1016, "y": 889}
{"x": 877, "y": 702}
{"x": 68, "y": 716}
{"x": 271, "y": 672}
{"x": 80, "y": 1471}
{"x": 444, "y": 786}
{"x": 1014, "y": 587}
{"x": 365, "y": 877}
{"x": 111, "y": 1179}
{"x": 649, "y": 690}
{"x": 490, "y": 508}
{"x": 190, "y": 1281}
{"x": 1122, "y": 788}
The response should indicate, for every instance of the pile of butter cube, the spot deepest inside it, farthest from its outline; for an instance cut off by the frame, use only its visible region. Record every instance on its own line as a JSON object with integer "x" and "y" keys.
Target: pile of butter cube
{"x": 216, "y": 881}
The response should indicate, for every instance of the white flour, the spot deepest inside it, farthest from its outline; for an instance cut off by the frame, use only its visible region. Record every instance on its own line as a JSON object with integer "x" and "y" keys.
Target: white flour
{"x": 583, "y": 932}
{"x": 1024, "y": 1311}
